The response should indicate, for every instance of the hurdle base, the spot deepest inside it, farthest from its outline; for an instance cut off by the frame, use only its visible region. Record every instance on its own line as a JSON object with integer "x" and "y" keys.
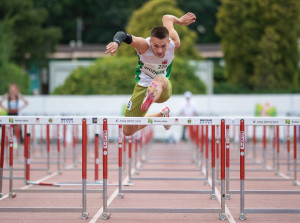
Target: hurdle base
{"x": 105, "y": 215}
{"x": 12, "y": 195}
{"x": 164, "y": 210}
{"x": 222, "y": 216}
{"x": 84, "y": 215}
{"x": 242, "y": 216}
{"x": 227, "y": 196}
{"x": 120, "y": 196}
{"x": 272, "y": 211}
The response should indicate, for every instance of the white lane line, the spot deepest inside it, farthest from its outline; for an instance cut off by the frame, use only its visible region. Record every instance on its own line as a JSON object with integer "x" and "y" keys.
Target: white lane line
{"x": 38, "y": 181}
{"x": 5, "y": 196}
{"x": 110, "y": 199}
{"x": 229, "y": 216}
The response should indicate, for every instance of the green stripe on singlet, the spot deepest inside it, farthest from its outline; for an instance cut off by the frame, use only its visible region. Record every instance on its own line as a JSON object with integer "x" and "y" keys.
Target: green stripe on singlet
{"x": 138, "y": 70}
{"x": 169, "y": 68}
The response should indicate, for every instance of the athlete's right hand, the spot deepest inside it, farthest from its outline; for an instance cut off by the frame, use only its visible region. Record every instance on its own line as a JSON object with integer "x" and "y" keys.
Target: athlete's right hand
{"x": 111, "y": 48}
{"x": 187, "y": 19}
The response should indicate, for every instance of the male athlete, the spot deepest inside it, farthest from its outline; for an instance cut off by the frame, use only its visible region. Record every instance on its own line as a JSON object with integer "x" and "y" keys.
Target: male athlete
{"x": 156, "y": 54}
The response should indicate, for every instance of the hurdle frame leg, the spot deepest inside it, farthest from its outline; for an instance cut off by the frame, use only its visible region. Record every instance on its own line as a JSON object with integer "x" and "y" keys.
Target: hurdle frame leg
{"x": 242, "y": 170}
{"x": 130, "y": 139}
{"x": 295, "y": 155}
{"x": 85, "y": 214}
{"x": 48, "y": 149}
{"x": 120, "y": 194}
{"x": 2, "y": 158}
{"x": 227, "y": 143}
{"x": 11, "y": 157}
{"x": 105, "y": 214}
{"x": 213, "y": 160}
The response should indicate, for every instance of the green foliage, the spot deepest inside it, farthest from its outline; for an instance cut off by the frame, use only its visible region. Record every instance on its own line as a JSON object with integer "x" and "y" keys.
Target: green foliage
{"x": 109, "y": 75}
{"x": 218, "y": 72}
{"x": 31, "y": 39}
{"x": 11, "y": 73}
{"x": 115, "y": 75}
{"x": 259, "y": 41}
{"x": 101, "y": 18}
{"x": 150, "y": 15}
{"x": 183, "y": 78}
{"x": 205, "y": 10}
{"x": 6, "y": 41}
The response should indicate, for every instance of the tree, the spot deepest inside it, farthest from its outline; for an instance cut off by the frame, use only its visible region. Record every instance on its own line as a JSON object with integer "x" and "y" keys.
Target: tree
{"x": 31, "y": 39}
{"x": 101, "y": 19}
{"x": 12, "y": 73}
{"x": 9, "y": 71}
{"x": 259, "y": 41}
{"x": 206, "y": 11}
{"x": 150, "y": 15}
{"x": 6, "y": 41}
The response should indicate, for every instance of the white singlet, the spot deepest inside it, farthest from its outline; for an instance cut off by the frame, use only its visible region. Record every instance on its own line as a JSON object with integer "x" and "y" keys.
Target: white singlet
{"x": 151, "y": 66}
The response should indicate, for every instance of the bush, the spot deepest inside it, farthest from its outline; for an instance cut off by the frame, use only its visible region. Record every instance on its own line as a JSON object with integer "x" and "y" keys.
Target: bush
{"x": 115, "y": 75}
{"x": 11, "y": 73}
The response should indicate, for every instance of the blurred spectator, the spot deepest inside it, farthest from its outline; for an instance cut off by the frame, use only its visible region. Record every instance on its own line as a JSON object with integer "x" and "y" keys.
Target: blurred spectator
{"x": 35, "y": 92}
{"x": 13, "y": 98}
{"x": 188, "y": 109}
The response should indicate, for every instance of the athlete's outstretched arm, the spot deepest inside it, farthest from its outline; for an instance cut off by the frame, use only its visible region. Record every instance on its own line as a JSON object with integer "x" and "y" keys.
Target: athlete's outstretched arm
{"x": 139, "y": 43}
{"x": 170, "y": 20}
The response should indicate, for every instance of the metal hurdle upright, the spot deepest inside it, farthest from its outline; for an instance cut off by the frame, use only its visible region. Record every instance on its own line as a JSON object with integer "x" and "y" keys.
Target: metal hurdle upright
{"x": 265, "y": 121}
{"x": 160, "y": 121}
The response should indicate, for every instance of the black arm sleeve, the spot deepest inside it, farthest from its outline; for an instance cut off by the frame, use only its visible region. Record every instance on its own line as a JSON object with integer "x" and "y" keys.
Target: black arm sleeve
{"x": 122, "y": 37}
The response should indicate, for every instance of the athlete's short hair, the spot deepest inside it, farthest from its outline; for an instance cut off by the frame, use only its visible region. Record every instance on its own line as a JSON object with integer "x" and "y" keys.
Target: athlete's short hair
{"x": 159, "y": 32}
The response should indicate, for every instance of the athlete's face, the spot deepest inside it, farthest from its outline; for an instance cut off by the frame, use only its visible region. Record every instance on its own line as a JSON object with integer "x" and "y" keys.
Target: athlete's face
{"x": 159, "y": 46}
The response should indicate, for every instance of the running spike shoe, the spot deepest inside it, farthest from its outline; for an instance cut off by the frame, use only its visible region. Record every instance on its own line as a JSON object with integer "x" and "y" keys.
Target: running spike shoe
{"x": 166, "y": 113}
{"x": 151, "y": 93}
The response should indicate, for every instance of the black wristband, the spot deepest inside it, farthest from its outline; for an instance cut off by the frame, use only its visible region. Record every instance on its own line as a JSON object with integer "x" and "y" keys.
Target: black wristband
{"x": 121, "y": 36}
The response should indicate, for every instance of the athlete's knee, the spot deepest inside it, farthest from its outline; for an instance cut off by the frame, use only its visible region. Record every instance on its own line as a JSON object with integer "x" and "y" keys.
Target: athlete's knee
{"x": 127, "y": 131}
{"x": 162, "y": 81}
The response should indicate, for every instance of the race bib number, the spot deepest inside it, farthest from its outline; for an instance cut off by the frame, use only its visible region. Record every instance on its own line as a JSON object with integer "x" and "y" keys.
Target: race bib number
{"x": 129, "y": 105}
{"x": 152, "y": 70}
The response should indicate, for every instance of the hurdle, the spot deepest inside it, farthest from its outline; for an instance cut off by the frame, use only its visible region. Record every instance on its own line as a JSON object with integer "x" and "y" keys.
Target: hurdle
{"x": 159, "y": 121}
{"x": 263, "y": 121}
{"x": 43, "y": 120}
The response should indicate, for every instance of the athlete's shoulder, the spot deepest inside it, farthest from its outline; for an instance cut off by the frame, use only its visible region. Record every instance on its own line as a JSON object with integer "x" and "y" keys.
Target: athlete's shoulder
{"x": 147, "y": 51}
{"x": 171, "y": 44}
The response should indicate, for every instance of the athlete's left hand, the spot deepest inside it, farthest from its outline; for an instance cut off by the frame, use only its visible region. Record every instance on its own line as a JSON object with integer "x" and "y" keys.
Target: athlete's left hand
{"x": 112, "y": 48}
{"x": 187, "y": 19}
